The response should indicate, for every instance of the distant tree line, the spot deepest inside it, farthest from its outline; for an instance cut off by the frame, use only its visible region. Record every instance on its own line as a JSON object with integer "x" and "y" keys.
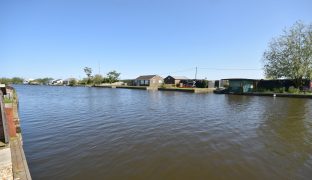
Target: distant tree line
{"x": 14, "y": 80}
{"x": 19, "y": 80}
{"x": 97, "y": 79}
{"x": 43, "y": 80}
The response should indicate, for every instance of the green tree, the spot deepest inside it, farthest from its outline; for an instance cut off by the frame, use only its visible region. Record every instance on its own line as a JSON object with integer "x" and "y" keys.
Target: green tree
{"x": 98, "y": 79}
{"x": 83, "y": 81}
{"x": 113, "y": 76}
{"x": 43, "y": 80}
{"x": 290, "y": 55}
{"x": 14, "y": 80}
{"x": 4, "y": 81}
{"x": 17, "y": 80}
{"x": 72, "y": 82}
{"x": 88, "y": 72}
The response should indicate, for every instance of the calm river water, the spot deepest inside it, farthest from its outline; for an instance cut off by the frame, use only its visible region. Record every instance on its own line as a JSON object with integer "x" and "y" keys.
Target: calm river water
{"x": 98, "y": 133}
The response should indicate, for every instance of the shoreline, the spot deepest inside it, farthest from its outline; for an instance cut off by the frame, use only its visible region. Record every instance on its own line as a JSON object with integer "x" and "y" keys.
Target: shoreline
{"x": 189, "y": 90}
{"x": 307, "y": 96}
{"x": 198, "y": 90}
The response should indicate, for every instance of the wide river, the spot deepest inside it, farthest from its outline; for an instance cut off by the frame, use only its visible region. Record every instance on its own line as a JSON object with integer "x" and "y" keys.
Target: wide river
{"x": 99, "y": 133}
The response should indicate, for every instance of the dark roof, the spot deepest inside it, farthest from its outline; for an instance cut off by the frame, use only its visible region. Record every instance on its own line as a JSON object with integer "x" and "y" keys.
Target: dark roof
{"x": 241, "y": 79}
{"x": 145, "y": 77}
{"x": 179, "y": 77}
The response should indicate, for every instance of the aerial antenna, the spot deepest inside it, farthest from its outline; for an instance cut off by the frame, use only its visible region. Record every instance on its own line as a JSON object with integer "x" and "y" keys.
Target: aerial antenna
{"x": 99, "y": 67}
{"x": 195, "y": 73}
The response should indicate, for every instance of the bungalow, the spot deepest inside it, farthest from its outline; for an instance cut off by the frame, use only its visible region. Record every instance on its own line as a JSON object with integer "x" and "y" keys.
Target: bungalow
{"x": 148, "y": 80}
{"x": 27, "y": 81}
{"x": 175, "y": 80}
{"x": 57, "y": 82}
{"x": 238, "y": 85}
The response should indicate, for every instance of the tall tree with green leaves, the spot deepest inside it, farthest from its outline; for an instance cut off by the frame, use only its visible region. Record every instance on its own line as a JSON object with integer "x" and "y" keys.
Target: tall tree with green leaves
{"x": 113, "y": 76}
{"x": 290, "y": 55}
{"x": 98, "y": 79}
{"x": 88, "y": 72}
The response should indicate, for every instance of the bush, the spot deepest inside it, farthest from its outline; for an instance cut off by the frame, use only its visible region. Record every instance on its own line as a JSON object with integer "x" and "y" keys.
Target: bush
{"x": 264, "y": 90}
{"x": 83, "y": 81}
{"x": 202, "y": 84}
{"x": 308, "y": 91}
{"x": 279, "y": 90}
{"x": 293, "y": 90}
{"x": 72, "y": 82}
{"x": 7, "y": 100}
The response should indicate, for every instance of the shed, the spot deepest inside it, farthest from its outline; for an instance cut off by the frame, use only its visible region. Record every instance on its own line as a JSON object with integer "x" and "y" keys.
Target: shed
{"x": 240, "y": 85}
{"x": 175, "y": 80}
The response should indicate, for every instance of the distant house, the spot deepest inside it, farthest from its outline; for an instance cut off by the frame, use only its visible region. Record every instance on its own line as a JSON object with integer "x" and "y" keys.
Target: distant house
{"x": 50, "y": 82}
{"x": 27, "y": 81}
{"x": 197, "y": 83}
{"x": 175, "y": 80}
{"x": 148, "y": 80}
{"x": 239, "y": 85}
{"x": 67, "y": 81}
{"x": 57, "y": 82}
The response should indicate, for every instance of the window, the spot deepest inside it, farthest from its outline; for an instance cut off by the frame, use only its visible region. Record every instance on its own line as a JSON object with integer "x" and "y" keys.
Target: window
{"x": 160, "y": 81}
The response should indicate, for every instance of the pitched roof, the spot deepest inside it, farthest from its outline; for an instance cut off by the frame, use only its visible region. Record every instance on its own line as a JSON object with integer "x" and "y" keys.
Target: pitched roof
{"x": 145, "y": 77}
{"x": 240, "y": 79}
{"x": 179, "y": 77}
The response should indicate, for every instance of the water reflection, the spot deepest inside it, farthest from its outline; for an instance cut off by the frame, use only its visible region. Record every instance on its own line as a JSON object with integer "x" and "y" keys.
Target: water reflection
{"x": 286, "y": 136}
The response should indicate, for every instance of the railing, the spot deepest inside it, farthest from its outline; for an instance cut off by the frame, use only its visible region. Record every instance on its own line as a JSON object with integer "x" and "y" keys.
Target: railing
{"x": 3, "y": 120}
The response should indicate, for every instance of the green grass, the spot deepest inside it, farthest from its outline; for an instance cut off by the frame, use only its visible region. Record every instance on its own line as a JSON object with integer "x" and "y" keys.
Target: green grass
{"x": 282, "y": 90}
{"x": 7, "y": 100}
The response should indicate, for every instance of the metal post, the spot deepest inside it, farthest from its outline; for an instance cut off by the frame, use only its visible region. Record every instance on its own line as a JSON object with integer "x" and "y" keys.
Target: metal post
{"x": 99, "y": 68}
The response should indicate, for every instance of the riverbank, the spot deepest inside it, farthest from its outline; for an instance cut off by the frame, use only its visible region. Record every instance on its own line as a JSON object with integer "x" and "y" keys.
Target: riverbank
{"x": 270, "y": 94}
{"x": 190, "y": 90}
{"x": 13, "y": 164}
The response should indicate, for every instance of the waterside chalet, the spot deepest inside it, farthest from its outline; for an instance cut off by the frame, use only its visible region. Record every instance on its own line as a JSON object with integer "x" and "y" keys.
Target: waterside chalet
{"x": 148, "y": 80}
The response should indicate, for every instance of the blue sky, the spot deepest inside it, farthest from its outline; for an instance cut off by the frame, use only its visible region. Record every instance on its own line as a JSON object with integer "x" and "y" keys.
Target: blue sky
{"x": 57, "y": 38}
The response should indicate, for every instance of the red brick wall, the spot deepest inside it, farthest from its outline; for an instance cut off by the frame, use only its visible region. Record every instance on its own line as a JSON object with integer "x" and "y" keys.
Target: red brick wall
{"x": 10, "y": 121}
